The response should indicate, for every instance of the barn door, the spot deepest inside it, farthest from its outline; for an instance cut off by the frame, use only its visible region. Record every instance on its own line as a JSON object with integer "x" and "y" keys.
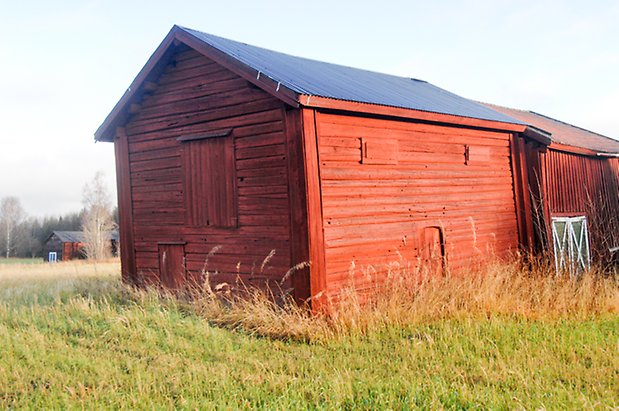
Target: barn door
{"x": 432, "y": 250}
{"x": 172, "y": 265}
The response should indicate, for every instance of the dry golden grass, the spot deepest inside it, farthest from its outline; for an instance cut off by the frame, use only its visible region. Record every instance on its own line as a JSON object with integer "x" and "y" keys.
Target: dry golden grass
{"x": 17, "y": 280}
{"x": 64, "y": 269}
{"x": 528, "y": 291}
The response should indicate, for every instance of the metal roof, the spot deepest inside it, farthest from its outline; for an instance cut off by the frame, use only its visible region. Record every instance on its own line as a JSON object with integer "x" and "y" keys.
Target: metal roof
{"x": 316, "y": 78}
{"x": 78, "y": 236}
{"x": 561, "y": 132}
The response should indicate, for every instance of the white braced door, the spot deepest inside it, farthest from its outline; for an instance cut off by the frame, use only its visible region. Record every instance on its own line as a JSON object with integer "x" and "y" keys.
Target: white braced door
{"x": 571, "y": 244}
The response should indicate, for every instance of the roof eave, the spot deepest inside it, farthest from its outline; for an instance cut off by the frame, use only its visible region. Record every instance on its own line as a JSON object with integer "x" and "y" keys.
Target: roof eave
{"x": 177, "y": 36}
{"x": 538, "y": 135}
{"x": 604, "y": 154}
{"x": 114, "y": 119}
{"x": 376, "y": 109}
{"x": 580, "y": 150}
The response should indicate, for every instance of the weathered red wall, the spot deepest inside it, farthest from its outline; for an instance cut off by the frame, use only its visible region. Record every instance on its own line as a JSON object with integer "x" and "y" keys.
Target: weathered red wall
{"x": 376, "y": 209}
{"x": 71, "y": 251}
{"x": 195, "y": 95}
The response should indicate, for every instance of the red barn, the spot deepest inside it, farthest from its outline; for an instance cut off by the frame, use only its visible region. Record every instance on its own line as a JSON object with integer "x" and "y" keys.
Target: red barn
{"x": 63, "y": 246}
{"x": 222, "y": 145}
{"x": 576, "y": 184}
{"x": 69, "y": 245}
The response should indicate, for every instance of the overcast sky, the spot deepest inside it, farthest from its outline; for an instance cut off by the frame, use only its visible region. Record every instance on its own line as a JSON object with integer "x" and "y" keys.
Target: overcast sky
{"x": 66, "y": 63}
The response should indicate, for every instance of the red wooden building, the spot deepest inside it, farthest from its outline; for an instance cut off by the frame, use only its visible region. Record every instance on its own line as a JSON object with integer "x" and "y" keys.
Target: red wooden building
{"x": 575, "y": 181}
{"x": 69, "y": 245}
{"x": 63, "y": 246}
{"x": 221, "y": 145}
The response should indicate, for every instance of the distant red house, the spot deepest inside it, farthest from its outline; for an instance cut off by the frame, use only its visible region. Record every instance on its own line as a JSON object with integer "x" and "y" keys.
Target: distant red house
{"x": 69, "y": 245}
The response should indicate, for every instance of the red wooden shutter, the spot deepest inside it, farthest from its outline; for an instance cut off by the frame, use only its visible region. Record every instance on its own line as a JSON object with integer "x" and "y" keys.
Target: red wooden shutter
{"x": 210, "y": 182}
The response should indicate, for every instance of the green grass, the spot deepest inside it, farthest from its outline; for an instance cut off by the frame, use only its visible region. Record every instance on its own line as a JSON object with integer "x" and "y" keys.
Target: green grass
{"x": 87, "y": 343}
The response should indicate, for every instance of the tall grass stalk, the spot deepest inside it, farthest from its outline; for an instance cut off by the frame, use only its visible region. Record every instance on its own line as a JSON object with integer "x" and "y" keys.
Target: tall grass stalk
{"x": 527, "y": 291}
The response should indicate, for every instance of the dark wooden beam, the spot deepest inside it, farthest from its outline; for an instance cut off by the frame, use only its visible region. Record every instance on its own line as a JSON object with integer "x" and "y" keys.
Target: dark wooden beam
{"x": 125, "y": 210}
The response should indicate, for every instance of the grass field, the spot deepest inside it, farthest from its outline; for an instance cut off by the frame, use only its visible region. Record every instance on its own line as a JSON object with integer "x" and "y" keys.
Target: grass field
{"x": 20, "y": 261}
{"x": 72, "y": 337}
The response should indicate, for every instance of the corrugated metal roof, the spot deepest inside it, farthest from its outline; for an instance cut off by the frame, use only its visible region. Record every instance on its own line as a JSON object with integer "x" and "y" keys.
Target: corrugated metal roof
{"x": 561, "y": 132}
{"x": 78, "y": 236}
{"x": 316, "y": 78}
{"x": 70, "y": 236}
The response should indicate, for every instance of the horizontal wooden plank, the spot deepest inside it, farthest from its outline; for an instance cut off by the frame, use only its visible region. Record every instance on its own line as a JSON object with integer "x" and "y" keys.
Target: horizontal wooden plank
{"x": 184, "y": 121}
{"x": 155, "y": 164}
{"x": 328, "y": 123}
{"x": 153, "y": 102}
{"x": 256, "y": 152}
{"x": 204, "y": 136}
{"x": 254, "y": 119}
{"x": 223, "y": 98}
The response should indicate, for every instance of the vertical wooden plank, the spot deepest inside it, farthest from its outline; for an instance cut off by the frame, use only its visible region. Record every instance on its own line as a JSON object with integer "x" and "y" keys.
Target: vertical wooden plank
{"x": 172, "y": 266}
{"x": 545, "y": 195}
{"x": 518, "y": 189}
{"x": 299, "y": 245}
{"x": 231, "y": 204}
{"x": 318, "y": 277}
{"x": 125, "y": 207}
{"x": 526, "y": 198}
{"x": 66, "y": 251}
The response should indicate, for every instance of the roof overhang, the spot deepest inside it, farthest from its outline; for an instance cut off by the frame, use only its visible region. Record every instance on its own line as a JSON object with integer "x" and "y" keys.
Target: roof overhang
{"x": 538, "y": 135}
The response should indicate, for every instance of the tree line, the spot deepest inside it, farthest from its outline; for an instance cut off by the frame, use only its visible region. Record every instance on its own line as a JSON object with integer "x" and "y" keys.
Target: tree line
{"x": 24, "y": 236}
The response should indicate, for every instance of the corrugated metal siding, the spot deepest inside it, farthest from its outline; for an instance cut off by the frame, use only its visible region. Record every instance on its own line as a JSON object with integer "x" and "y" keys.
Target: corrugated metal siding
{"x": 195, "y": 95}
{"x": 575, "y": 182}
{"x": 376, "y": 213}
{"x": 584, "y": 185}
{"x": 317, "y": 78}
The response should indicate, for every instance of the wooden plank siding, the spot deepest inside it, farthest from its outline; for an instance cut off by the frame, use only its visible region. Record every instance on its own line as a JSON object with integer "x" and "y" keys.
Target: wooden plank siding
{"x": 193, "y": 96}
{"x": 376, "y": 213}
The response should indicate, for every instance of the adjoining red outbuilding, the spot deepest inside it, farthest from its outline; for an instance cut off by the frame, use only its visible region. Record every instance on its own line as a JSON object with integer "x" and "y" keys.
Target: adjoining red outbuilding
{"x": 575, "y": 182}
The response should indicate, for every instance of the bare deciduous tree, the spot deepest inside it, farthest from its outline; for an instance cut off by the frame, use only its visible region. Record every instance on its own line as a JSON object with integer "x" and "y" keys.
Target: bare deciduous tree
{"x": 97, "y": 222}
{"x": 11, "y": 215}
